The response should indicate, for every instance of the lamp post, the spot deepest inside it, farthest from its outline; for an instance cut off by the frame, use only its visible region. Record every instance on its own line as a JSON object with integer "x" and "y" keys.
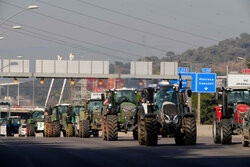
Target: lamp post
{"x": 13, "y": 27}
{"x": 19, "y": 12}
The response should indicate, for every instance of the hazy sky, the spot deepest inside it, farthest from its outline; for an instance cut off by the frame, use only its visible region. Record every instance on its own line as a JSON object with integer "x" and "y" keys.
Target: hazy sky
{"x": 172, "y": 25}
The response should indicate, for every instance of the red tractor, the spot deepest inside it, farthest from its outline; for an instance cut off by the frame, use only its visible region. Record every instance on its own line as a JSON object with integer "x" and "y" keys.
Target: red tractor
{"x": 228, "y": 116}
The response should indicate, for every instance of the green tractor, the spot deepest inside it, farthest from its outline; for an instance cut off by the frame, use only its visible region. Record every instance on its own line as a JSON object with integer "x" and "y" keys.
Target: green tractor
{"x": 36, "y": 123}
{"x": 59, "y": 118}
{"x": 91, "y": 119}
{"x": 120, "y": 113}
{"x": 77, "y": 109}
{"x": 164, "y": 111}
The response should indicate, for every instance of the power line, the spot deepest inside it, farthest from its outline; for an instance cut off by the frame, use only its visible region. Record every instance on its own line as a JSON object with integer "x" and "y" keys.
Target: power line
{"x": 117, "y": 24}
{"x": 147, "y": 21}
{"x": 77, "y": 40}
{"x": 89, "y": 29}
{"x": 61, "y": 42}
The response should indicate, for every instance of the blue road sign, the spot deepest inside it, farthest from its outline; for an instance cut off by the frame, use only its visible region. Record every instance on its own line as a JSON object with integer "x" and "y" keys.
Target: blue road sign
{"x": 183, "y": 69}
{"x": 193, "y": 83}
{"x": 206, "y": 70}
{"x": 206, "y": 83}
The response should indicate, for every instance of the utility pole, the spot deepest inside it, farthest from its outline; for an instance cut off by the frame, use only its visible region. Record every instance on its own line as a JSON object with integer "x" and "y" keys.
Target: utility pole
{"x": 18, "y": 93}
{"x": 199, "y": 110}
{"x": 33, "y": 98}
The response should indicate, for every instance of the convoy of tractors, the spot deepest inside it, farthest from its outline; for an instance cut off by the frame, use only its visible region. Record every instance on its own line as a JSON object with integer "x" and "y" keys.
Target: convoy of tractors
{"x": 159, "y": 110}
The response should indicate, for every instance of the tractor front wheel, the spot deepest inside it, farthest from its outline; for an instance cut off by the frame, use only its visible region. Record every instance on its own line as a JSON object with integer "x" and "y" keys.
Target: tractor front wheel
{"x": 104, "y": 129}
{"x": 190, "y": 132}
{"x": 151, "y": 132}
{"x": 86, "y": 129}
{"x": 226, "y": 131}
{"x": 112, "y": 127}
{"x": 57, "y": 130}
{"x": 216, "y": 129}
{"x": 32, "y": 130}
{"x": 69, "y": 130}
{"x": 141, "y": 131}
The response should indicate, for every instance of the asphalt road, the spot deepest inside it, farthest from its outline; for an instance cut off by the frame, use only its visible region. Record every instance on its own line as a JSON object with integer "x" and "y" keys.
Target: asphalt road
{"x": 73, "y": 152}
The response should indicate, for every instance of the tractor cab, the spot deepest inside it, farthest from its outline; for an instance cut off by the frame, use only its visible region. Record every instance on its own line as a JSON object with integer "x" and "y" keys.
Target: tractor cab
{"x": 235, "y": 102}
{"x": 125, "y": 103}
{"x": 95, "y": 105}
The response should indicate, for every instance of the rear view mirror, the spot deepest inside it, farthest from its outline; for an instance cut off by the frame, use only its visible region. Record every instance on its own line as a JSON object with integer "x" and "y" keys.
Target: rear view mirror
{"x": 218, "y": 95}
{"x": 189, "y": 93}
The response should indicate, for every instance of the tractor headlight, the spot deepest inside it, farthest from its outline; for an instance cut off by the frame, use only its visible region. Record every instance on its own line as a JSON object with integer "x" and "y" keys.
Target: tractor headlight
{"x": 124, "y": 110}
{"x": 134, "y": 109}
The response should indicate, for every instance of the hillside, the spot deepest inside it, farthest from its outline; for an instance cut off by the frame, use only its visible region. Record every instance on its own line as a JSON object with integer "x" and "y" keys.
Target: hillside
{"x": 230, "y": 52}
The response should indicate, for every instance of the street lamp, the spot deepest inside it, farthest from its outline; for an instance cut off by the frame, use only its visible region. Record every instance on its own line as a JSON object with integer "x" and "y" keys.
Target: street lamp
{"x": 13, "y": 27}
{"x": 21, "y": 11}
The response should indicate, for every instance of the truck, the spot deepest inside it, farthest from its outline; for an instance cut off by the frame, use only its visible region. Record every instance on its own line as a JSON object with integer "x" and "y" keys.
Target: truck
{"x": 119, "y": 113}
{"x": 164, "y": 111}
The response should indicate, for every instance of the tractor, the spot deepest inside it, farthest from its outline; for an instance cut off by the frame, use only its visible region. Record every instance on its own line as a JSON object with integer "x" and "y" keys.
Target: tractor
{"x": 245, "y": 134}
{"x": 13, "y": 123}
{"x": 59, "y": 118}
{"x": 91, "y": 118}
{"x": 120, "y": 113}
{"x": 77, "y": 109}
{"x": 36, "y": 123}
{"x": 164, "y": 111}
{"x": 228, "y": 116}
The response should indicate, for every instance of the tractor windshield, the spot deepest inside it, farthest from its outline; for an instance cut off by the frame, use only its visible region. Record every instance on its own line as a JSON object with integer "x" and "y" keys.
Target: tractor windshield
{"x": 38, "y": 115}
{"x": 125, "y": 96}
{"x": 77, "y": 109}
{"x": 63, "y": 109}
{"x": 239, "y": 96}
{"x": 166, "y": 94}
{"x": 15, "y": 121}
{"x": 94, "y": 105}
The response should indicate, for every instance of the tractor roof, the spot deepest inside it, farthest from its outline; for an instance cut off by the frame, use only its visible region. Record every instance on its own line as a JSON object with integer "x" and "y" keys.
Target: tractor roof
{"x": 237, "y": 88}
{"x": 122, "y": 89}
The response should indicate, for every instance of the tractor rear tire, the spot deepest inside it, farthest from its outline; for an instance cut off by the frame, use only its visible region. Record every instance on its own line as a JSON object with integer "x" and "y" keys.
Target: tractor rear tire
{"x": 226, "y": 131}
{"x": 69, "y": 130}
{"x": 57, "y": 131}
{"x": 190, "y": 132}
{"x": 216, "y": 128}
{"x": 86, "y": 129}
{"x": 112, "y": 127}
{"x": 104, "y": 129}
{"x": 32, "y": 130}
{"x": 151, "y": 132}
{"x": 135, "y": 134}
{"x": 141, "y": 131}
